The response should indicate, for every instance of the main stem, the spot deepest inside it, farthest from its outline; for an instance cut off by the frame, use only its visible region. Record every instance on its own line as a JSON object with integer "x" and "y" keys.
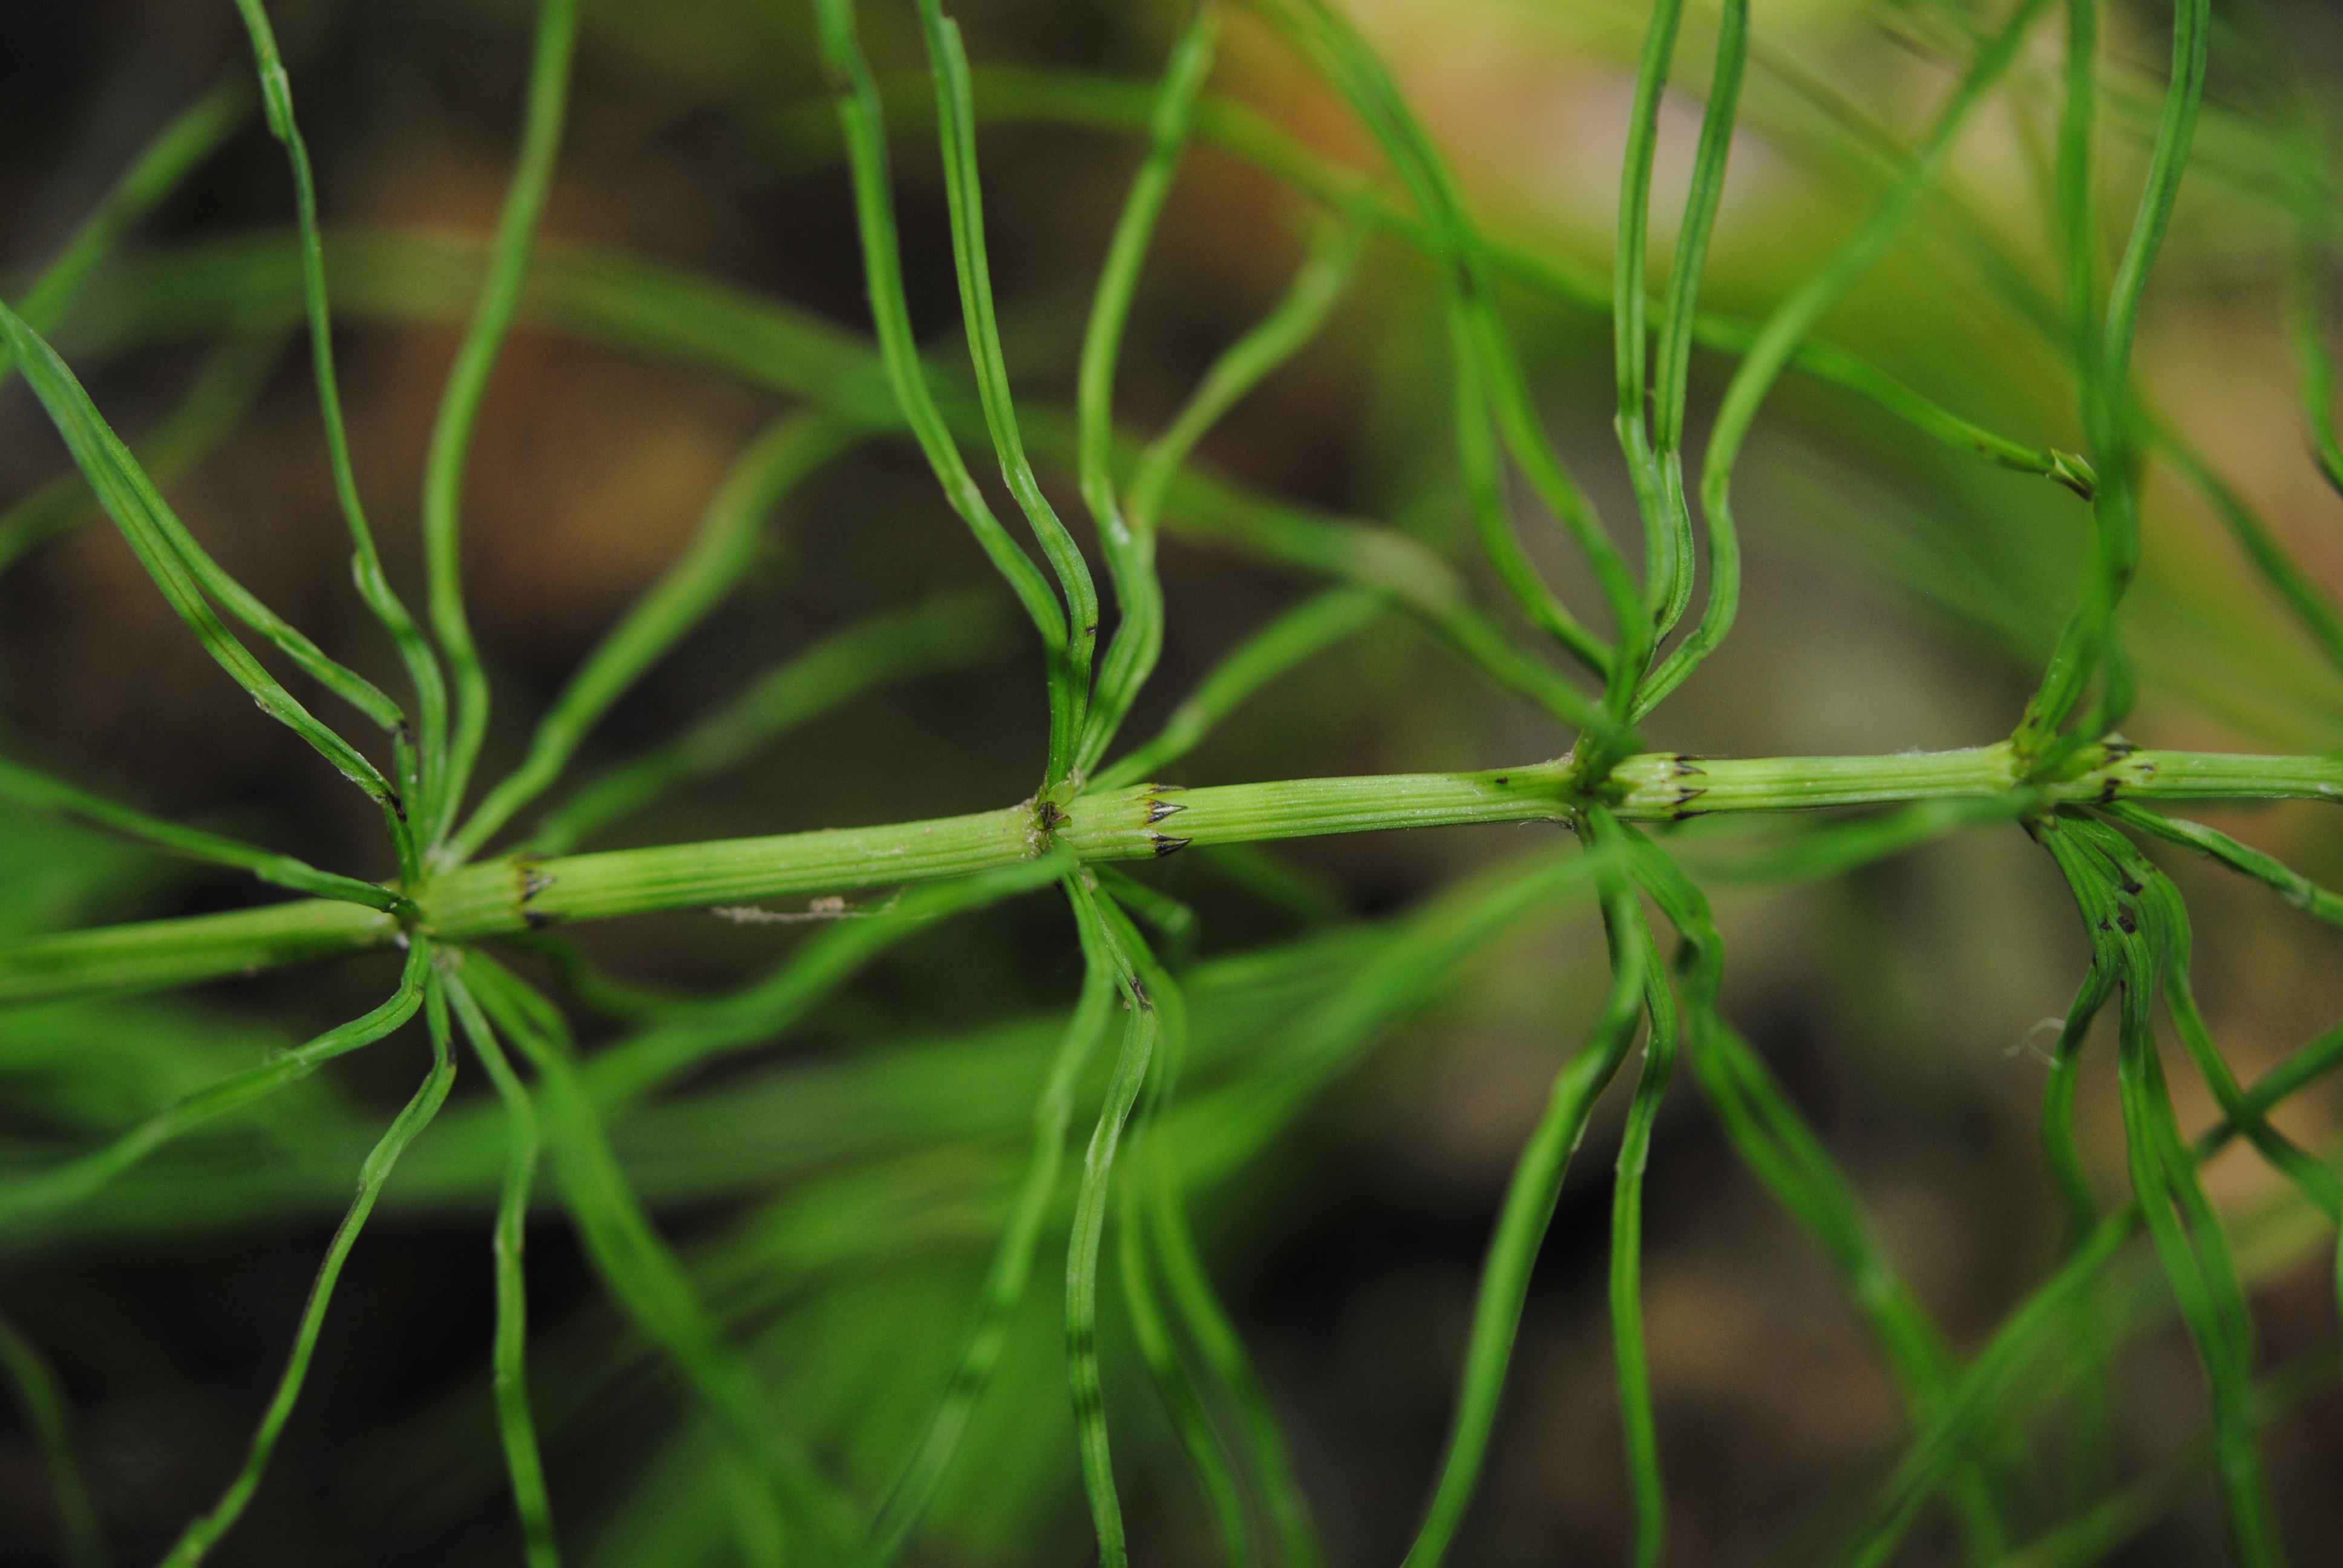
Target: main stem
{"x": 1149, "y": 821}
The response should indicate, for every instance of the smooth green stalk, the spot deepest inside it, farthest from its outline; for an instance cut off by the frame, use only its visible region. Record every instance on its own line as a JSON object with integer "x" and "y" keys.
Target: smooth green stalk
{"x": 459, "y": 412}
{"x": 509, "y": 1358}
{"x": 1301, "y": 633}
{"x": 178, "y": 149}
{"x": 1631, "y": 302}
{"x": 1143, "y": 1300}
{"x": 861, "y": 119}
{"x": 2086, "y": 642}
{"x": 1101, "y": 946}
{"x": 1005, "y": 1280}
{"x": 365, "y": 566}
{"x": 1129, "y": 542}
{"x": 1792, "y": 320}
{"x": 223, "y": 389}
{"x": 949, "y": 628}
{"x": 82, "y": 1534}
{"x": 1529, "y": 1204}
{"x": 197, "y": 1539}
{"x": 956, "y": 129}
{"x": 1670, "y": 584}
{"x": 1639, "y": 1427}
{"x": 27, "y": 787}
{"x": 790, "y": 452}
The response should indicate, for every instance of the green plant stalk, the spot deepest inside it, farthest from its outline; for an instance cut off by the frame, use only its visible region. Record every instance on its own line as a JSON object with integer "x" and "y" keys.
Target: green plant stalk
{"x": 204, "y": 1532}
{"x": 1145, "y": 822}
{"x": 790, "y": 451}
{"x": 449, "y": 757}
{"x": 2086, "y": 643}
{"x": 1639, "y": 1426}
{"x": 861, "y": 118}
{"x": 517, "y": 1427}
{"x": 1529, "y": 1204}
{"x": 956, "y": 130}
{"x": 414, "y": 768}
{"x": 1788, "y": 327}
{"x": 1128, "y": 542}
{"x": 1630, "y": 305}
{"x": 1670, "y": 584}
{"x": 1101, "y": 946}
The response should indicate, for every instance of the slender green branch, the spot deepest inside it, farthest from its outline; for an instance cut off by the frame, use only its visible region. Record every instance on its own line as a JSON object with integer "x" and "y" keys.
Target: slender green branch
{"x": 422, "y": 666}
{"x": 449, "y": 757}
{"x": 861, "y": 118}
{"x": 956, "y": 129}
{"x": 1129, "y": 542}
{"x": 202, "y": 1534}
{"x": 516, "y": 1424}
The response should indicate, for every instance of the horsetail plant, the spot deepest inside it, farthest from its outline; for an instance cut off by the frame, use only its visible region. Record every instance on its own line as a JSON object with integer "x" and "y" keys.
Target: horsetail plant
{"x": 1123, "y": 1060}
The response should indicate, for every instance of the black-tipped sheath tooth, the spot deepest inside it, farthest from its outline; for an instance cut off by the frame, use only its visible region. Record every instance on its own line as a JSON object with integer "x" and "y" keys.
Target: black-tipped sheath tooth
{"x": 1165, "y": 844}
{"x": 1159, "y": 810}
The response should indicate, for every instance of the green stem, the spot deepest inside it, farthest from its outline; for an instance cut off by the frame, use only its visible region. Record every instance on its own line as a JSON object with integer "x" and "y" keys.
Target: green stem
{"x": 1144, "y": 822}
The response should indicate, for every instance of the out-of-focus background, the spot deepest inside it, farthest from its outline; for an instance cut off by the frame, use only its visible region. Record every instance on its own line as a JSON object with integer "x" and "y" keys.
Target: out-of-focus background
{"x": 1900, "y": 595}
